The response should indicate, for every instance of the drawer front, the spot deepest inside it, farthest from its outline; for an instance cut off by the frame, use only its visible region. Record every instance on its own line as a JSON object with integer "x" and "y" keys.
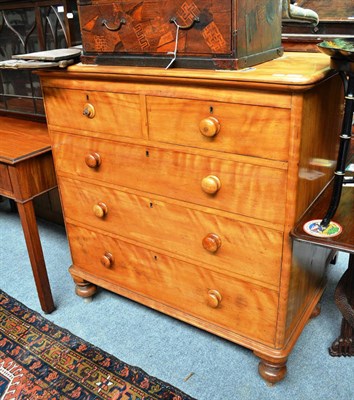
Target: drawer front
{"x": 231, "y": 246}
{"x": 244, "y": 308}
{"x": 245, "y": 189}
{"x": 112, "y": 113}
{"x": 5, "y": 181}
{"x": 235, "y": 128}
{"x": 146, "y": 27}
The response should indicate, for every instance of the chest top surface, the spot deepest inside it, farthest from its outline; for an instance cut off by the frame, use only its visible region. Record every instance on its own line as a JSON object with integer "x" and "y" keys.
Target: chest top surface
{"x": 292, "y": 72}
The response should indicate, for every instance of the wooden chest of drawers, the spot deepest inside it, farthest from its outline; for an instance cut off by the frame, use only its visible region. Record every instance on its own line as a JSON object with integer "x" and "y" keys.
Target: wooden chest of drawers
{"x": 180, "y": 188}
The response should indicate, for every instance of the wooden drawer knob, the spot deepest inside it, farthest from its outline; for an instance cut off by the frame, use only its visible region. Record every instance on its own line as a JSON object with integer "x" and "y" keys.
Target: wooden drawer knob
{"x": 93, "y": 160}
{"x": 89, "y": 110}
{"x": 100, "y": 209}
{"x": 214, "y": 298}
{"x": 211, "y": 242}
{"x": 211, "y": 184}
{"x": 209, "y": 127}
{"x": 107, "y": 260}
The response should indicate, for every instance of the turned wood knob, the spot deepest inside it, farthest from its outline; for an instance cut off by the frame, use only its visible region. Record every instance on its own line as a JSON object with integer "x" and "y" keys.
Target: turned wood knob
{"x": 93, "y": 160}
{"x": 107, "y": 260}
{"x": 211, "y": 184}
{"x": 100, "y": 209}
{"x": 89, "y": 110}
{"x": 214, "y": 298}
{"x": 209, "y": 127}
{"x": 211, "y": 242}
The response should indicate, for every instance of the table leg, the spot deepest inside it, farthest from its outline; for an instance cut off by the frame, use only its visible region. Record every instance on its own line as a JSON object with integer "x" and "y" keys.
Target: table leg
{"x": 35, "y": 252}
{"x": 344, "y": 298}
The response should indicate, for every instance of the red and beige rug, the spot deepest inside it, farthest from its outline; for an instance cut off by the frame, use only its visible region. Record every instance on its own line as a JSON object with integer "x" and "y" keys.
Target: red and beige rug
{"x": 39, "y": 360}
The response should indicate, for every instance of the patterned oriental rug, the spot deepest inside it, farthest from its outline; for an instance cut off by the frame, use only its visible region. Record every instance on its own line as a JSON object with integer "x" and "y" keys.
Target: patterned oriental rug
{"x": 39, "y": 360}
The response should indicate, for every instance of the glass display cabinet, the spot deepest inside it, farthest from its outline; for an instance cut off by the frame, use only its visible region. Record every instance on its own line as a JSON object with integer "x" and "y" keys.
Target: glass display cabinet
{"x": 26, "y": 27}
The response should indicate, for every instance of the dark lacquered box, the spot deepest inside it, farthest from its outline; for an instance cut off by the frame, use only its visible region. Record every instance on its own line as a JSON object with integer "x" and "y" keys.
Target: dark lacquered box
{"x": 213, "y": 34}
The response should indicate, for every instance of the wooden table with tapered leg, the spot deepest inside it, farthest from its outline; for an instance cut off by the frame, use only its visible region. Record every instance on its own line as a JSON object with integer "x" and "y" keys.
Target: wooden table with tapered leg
{"x": 27, "y": 171}
{"x": 344, "y": 293}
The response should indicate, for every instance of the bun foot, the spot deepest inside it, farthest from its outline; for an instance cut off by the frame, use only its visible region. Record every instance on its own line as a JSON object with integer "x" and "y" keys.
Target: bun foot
{"x": 84, "y": 289}
{"x": 316, "y": 311}
{"x": 272, "y": 370}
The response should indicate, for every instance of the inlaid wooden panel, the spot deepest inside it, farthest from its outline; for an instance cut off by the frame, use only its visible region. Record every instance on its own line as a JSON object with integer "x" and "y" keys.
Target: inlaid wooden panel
{"x": 246, "y": 189}
{"x": 183, "y": 286}
{"x": 147, "y": 26}
{"x": 114, "y": 113}
{"x": 243, "y": 129}
{"x": 181, "y": 230}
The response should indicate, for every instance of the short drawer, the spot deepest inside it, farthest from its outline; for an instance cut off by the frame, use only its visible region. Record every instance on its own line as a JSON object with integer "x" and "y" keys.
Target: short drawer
{"x": 218, "y": 299}
{"x": 235, "y": 128}
{"x": 111, "y": 113}
{"x": 246, "y": 189}
{"x": 225, "y": 244}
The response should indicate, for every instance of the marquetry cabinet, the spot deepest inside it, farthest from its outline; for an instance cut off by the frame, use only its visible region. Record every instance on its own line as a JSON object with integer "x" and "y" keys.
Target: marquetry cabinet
{"x": 180, "y": 187}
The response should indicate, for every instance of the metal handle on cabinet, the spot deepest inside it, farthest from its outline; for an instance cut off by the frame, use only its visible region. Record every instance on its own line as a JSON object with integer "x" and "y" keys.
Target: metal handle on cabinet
{"x": 212, "y": 242}
{"x": 214, "y": 298}
{"x": 114, "y": 28}
{"x": 211, "y": 184}
{"x": 194, "y": 20}
{"x": 89, "y": 110}
{"x": 107, "y": 260}
{"x": 209, "y": 127}
{"x": 100, "y": 210}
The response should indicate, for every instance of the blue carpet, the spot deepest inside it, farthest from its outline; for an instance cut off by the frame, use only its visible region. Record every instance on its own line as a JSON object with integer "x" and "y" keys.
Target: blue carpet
{"x": 167, "y": 348}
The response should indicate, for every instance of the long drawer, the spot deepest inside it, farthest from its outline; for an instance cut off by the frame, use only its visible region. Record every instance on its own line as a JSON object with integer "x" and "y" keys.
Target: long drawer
{"x": 242, "y": 307}
{"x": 257, "y": 131}
{"x": 226, "y": 244}
{"x": 246, "y": 189}
{"x": 117, "y": 114}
